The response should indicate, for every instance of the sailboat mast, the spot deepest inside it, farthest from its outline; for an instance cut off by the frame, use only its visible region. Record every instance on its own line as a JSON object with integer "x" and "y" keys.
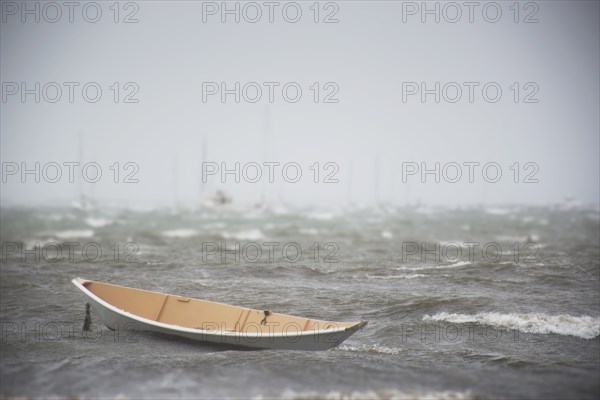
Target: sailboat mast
{"x": 174, "y": 180}
{"x": 376, "y": 181}
{"x": 80, "y": 154}
{"x": 203, "y": 160}
{"x": 349, "y": 187}
{"x": 267, "y": 129}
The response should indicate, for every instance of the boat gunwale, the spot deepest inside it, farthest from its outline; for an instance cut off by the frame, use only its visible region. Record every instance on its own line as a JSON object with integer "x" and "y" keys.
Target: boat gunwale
{"x": 79, "y": 283}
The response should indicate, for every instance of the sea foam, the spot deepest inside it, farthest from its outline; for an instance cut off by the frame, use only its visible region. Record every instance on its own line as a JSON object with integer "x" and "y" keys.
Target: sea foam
{"x": 250, "y": 234}
{"x": 409, "y": 276}
{"x": 369, "y": 348}
{"x": 74, "y": 234}
{"x": 97, "y": 222}
{"x": 584, "y": 327}
{"x": 376, "y": 394}
{"x": 180, "y": 233}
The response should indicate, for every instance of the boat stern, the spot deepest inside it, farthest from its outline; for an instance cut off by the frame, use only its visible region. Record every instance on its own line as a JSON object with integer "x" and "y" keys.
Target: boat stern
{"x": 357, "y": 326}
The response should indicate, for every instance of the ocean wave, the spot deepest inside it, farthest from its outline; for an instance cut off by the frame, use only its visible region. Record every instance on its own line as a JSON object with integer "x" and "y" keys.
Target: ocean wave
{"x": 74, "y": 234}
{"x": 250, "y": 234}
{"x": 497, "y": 211}
{"x": 453, "y": 243}
{"x": 584, "y": 327}
{"x": 180, "y": 233}
{"x": 321, "y": 216}
{"x": 457, "y": 264}
{"x": 309, "y": 231}
{"x": 98, "y": 222}
{"x": 531, "y": 238}
{"x": 593, "y": 216}
{"x": 387, "y": 234}
{"x": 52, "y": 217}
{"x": 369, "y": 348}
{"x": 214, "y": 226}
{"x": 376, "y": 394}
{"x": 410, "y": 276}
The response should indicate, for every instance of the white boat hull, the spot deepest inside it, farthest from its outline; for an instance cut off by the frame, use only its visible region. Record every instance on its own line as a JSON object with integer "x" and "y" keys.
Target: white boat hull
{"x": 120, "y": 320}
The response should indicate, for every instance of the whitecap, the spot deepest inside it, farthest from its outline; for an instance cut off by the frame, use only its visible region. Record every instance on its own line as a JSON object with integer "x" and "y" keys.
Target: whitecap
{"x": 429, "y": 267}
{"x": 214, "y": 225}
{"x": 73, "y": 234}
{"x": 374, "y": 394}
{"x": 452, "y": 243}
{"x": 411, "y": 276}
{"x": 250, "y": 234}
{"x": 584, "y": 327}
{"x": 321, "y": 216}
{"x": 456, "y": 264}
{"x": 369, "y": 348}
{"x": 497, "y": 211}
{"x": 181, "y": 233}
{"x": 53, "y": 217}
{"x": 309, "y": 231}
{"x": 97, "y": 222}
{"x": 511, "y": 238}
{"x": 593, "y": 216}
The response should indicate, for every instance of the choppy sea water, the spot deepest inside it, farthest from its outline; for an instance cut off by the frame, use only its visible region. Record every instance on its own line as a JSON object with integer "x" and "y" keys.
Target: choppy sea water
{"x": 446, "y": 319}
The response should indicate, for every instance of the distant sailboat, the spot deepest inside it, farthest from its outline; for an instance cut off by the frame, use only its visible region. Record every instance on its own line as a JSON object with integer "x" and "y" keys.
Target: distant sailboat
{"x": 219, "y": 200}
{"x": 262, "y": 203}
{"x": 376, "y": 184}
{"x": 176, "y": 205}
{"x": 203, "y": 160}
{"x": 84, "y": 204}
{"x": 350, "y": 204}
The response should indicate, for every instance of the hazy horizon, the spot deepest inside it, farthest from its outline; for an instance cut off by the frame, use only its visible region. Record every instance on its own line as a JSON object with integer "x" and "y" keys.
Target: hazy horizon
{"x": 369, "y": 61}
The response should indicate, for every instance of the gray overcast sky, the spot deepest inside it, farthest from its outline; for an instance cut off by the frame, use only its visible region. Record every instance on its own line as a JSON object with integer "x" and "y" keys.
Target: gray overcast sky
{"x": 368, "y": 54}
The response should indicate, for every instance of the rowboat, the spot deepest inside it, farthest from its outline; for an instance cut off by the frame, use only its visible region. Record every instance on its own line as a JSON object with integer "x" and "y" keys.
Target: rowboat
{"x": 121, "y": 307}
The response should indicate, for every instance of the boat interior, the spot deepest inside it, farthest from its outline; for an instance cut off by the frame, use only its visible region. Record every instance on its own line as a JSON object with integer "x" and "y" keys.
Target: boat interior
{"x": 202, "y": 314}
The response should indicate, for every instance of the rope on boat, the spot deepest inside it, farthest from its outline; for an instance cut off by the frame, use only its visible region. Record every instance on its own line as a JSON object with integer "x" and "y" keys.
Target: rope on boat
{"x": 88, "y": 318}
{"x": 264, "y": 320}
